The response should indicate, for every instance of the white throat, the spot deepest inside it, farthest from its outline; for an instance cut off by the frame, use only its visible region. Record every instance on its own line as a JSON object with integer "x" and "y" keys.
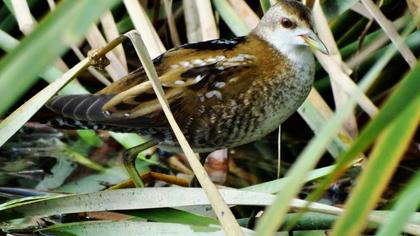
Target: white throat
{"x": 283, "y": 43}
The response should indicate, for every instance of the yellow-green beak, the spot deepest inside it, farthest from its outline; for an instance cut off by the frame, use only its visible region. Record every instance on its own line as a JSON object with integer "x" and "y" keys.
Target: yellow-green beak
{"x": 312, "y": 40}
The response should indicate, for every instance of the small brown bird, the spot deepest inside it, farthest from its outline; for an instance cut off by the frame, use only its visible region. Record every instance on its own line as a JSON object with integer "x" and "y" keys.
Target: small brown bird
{"x": 223, "y": 92}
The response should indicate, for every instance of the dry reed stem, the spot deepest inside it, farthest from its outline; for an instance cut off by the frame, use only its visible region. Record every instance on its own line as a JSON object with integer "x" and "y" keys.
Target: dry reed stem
{"x": 23, "y": 16}
{"x": 192, "y": 21}
{"x": 332, "y": 210}
{"x": 20, "y": 116}
{"x": 81, "y": 57}
{"x": 208, "y": 30}
{"x": 346, "y": 83}
{"x": 392, "y": 33}
{"x": 361, "y": 10}
{"x": 225, "y": 216}
{"x": 175, "y": 164}
{"x": 367, "y": 51}
{"x": 322, "y": 107}
{"x": 248, "y": 15}
{"x": 414, "y": 8}
{"x": 143, "y": 25}
{"x": 27, "y": 24}
{"x": 340, "y": 97}
{"x": 207, "y": 22}
{"x": 111, "y": 32}
{"x": 115, "y": 69}
{"x": 167, "y": 4}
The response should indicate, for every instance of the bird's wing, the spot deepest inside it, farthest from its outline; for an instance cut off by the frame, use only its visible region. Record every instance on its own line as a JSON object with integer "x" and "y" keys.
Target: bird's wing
{"x": 132, "y": 98}
{"x": 180, "y": 83}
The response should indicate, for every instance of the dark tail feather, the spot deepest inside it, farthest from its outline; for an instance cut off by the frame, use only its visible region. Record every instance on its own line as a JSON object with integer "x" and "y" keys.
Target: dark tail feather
{"x": 80, "y": 107}
{"x": 68, "y": 123}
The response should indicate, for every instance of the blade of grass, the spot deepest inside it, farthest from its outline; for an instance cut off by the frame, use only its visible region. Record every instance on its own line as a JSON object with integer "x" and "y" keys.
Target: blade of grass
{"x": 13, "y": 122}
{"x": 171, "y": 215}
{"x": 7, "y": 43}
{"x": 407, "y": 204}
{"x": 278, "y": 185}
{"x": 232, "y": 19}
{"x": 225, "y": 216}
{"x": 146, "y": 198}
{"x": 316, "y": 112}
{"x": 128, "y": 199}
{"x": 79, "y": 54}
{"x": 265, "y": 5}
{"x": 133, "y": 227}
{"x": 247, "y": 14}
{"x": 381, "y": 165}
{"x": 66, "y": 25}
{"x": 408, "y": 90}
{"x": 333, "y": 8}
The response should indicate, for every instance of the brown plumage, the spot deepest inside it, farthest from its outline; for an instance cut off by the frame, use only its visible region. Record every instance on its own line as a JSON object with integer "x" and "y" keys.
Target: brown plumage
{"x": 223, "y": 93}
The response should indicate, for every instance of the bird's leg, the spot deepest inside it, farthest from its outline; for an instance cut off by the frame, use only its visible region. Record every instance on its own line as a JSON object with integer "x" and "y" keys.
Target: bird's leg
{"x": 129, "y": 158}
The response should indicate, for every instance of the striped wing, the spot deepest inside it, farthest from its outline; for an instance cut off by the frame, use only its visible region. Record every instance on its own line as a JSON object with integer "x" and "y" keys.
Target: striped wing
{"x": 131, "y": 101}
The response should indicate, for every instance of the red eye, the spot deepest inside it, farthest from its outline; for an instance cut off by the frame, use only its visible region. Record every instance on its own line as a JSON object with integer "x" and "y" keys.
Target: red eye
{"x": 286, "y": 23}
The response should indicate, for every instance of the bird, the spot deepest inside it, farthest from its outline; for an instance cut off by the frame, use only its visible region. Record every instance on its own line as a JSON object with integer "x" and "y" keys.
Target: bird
{"x": 223, "y": 92}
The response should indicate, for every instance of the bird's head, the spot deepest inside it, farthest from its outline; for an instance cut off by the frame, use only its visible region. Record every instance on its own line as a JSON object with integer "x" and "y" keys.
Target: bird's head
{"x": 288, "y": 26}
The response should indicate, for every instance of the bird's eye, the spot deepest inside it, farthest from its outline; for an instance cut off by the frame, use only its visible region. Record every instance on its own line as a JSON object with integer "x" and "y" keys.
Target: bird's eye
{"x": 286, "y": 22}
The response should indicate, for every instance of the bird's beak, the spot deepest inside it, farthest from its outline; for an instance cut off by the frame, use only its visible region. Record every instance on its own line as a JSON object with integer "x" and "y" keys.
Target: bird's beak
{"x": 312, "y": 40}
